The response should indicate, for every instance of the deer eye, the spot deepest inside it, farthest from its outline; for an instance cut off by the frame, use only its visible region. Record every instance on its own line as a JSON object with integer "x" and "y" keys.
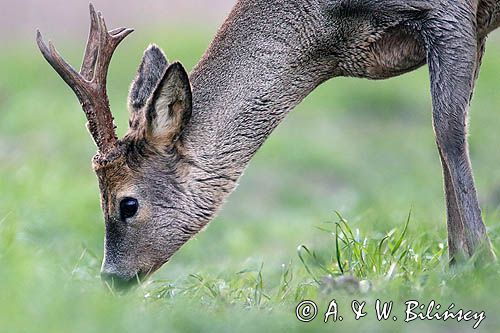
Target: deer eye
{"x": 128, "y": 208}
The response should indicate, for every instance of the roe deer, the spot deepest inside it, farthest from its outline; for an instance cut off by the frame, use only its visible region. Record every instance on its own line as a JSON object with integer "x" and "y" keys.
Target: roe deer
{"x": 191, "y": 137}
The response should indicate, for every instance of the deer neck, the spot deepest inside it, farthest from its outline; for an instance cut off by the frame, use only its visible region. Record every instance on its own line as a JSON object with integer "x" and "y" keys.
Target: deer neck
{"x": 244, "y": 85}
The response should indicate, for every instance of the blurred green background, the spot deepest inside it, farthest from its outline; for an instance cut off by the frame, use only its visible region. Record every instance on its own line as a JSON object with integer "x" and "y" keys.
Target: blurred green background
{"x": 365, "y": 149}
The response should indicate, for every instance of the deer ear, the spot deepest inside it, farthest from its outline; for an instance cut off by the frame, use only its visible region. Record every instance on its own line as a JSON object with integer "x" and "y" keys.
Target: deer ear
{"x": 169, "y": 108}
{"x": 150, "y": 72}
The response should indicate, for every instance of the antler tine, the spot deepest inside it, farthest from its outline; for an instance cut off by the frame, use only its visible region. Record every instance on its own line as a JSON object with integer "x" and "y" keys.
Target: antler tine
{"x": 109, "y": 41}
{"x": 67, "y": 73}
{"x": 90, "y": 84}
{"x": 92, "y": 48}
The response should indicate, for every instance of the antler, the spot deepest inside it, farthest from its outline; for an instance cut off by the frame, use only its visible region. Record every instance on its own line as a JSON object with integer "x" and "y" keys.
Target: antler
{"x": 90, "y": 84}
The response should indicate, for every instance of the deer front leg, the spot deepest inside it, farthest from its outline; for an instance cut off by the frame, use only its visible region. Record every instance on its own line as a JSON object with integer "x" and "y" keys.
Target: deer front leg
{"x": 457, "y": 244}
{"x": 452, "y": 56}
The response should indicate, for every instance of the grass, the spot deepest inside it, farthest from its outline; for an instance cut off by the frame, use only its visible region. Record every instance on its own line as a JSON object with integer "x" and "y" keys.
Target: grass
{"x": 364, "y": 149}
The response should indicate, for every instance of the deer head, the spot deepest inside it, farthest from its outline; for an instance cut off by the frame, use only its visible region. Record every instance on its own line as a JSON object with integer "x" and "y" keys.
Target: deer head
{"x": 142, "y": 177}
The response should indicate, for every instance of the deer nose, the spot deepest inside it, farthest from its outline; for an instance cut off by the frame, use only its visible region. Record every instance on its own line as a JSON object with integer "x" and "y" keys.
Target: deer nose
{"x": 117, "y": 281}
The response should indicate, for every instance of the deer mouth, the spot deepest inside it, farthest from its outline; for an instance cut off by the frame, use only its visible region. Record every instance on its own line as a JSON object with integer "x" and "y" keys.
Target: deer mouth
{"x": 121, "y": 283}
